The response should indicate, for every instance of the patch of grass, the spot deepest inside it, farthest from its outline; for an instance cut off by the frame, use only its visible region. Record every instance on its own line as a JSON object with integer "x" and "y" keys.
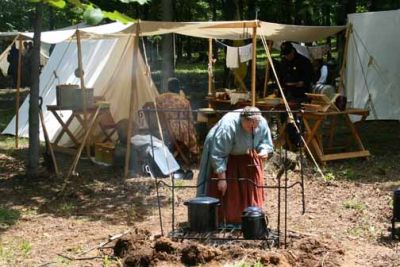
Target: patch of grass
{"x": 61, "y": 261}
{"x": 364, "y": 229}
{"x": 8, "y": 216}
{"x": 356, "y": 231}
{"x": 25, "y": 247}
{"x": 8, "y": 142}
{"x": 179, "y": 183}
{"x": 108, "y": 262}
{"x": 329, "y": 177}
{"x": 350, "y": 174}
{"x": 354, "y": 205}
{"x": 5, "y": 255}
{"x": 66, "y": 208}
{"x": 14, "y": 250}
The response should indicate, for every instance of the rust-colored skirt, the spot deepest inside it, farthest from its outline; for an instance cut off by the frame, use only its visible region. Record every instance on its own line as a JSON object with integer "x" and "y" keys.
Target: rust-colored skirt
{"x": 239, "y": 194}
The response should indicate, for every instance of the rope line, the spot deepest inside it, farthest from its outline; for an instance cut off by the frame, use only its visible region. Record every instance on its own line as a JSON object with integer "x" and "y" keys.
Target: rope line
{"x": 287, "y": 107}
{"x": 369, "y": 101}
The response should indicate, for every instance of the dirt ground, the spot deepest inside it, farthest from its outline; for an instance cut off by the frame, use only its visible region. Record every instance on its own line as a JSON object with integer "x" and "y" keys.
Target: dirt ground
{"x": 346, "y": 223}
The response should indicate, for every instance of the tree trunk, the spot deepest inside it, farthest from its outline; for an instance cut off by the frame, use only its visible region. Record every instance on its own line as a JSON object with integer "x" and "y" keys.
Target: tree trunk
{"x": 34, "y": 143}
{"x": 167, "y": 46}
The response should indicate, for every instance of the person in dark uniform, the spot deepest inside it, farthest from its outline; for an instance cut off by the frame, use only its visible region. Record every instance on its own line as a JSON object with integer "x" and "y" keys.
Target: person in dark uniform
{"x": 296, "y": 74}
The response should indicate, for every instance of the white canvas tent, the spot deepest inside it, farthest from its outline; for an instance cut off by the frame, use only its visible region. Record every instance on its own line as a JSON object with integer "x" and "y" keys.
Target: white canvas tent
{"x": 372, "y": 78}
{"x": 110, "y": 68}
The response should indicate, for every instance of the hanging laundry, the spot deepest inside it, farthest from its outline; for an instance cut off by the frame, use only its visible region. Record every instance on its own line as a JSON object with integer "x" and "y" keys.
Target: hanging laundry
{"x": 232, "y": 57}
{"x": 246, "y": 53}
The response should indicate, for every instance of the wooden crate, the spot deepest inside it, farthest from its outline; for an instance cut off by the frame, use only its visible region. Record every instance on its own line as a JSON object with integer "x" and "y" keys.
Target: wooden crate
{"x": 70, "y": 96}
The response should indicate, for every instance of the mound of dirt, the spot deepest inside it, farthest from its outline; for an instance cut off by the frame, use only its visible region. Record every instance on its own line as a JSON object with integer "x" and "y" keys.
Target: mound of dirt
{"x": 195, "y": 254}
{"x": 318, "y": 252}
{"x": 139, "y": 249}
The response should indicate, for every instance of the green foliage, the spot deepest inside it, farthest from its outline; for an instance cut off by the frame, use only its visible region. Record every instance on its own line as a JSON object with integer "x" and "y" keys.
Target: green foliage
{"x": 354, "y": 204}
{"x": 349, "y": 174}
{"x": 53, "y": 3}
{"x": 93, "y": 15}
{"x": 25, "y": 247}
{"x": 66, "y": 208}
{"x": 140, "y": 2}
{"x": 8, "y": 216}
{"x": 115, "y": 15}
{"x": 329, "y": 177}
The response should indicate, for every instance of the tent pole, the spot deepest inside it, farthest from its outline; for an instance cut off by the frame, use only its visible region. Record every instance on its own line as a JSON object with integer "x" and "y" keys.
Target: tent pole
{"x": 210, "y": 67}
{"x": 344, "y": 61}
{"x": 267, "y": 67}
{"x": 131, "y": 107}
{"x": 18, "y": 85}
{"x": 83, "y": 88}
{"x": 253, "y": 67}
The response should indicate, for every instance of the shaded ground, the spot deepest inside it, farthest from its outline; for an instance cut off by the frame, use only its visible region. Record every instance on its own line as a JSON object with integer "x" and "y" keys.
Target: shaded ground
{"x": 346, "y": 221}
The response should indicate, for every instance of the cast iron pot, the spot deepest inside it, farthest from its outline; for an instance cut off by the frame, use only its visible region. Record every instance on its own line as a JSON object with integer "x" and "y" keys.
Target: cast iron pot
{"x": 254, "y": 223}
{"x": 203, "y": 214}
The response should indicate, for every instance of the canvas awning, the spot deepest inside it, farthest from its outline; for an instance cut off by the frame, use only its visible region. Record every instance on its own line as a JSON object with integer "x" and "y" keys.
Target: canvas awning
{"x": 233, "y": 30}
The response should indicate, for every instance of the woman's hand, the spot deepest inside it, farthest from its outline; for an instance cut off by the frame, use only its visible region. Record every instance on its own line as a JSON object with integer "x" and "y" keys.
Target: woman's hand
{"x": 222, "y": 185}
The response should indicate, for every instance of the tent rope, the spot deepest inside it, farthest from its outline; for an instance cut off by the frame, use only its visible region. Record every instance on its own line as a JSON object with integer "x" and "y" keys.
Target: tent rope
{"x": 287, "y": 107}
{"x": 369, "y": 102}
{"x": 372, "y": 61}
{"x": 54, "y": 76}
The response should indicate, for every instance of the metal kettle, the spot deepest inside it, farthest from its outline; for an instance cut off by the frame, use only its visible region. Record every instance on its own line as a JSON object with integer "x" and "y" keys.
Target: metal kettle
{"x": 254, "y": 223}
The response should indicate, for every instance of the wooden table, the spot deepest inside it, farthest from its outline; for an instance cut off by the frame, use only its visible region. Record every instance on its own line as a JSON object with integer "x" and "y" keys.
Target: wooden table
{"x": 313, "y": 122}
{"x": 77, "y": 114}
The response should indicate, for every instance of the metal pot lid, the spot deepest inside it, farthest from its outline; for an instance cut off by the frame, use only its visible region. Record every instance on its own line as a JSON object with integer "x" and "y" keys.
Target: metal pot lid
{"x": 203, "y": 201}
{"x": 252, "y": 211}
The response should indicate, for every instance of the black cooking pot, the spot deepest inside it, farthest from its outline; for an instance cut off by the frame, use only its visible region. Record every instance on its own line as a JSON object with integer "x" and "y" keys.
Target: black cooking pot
{"x": 203, "y": 214}
{"x": 254, "y": 223}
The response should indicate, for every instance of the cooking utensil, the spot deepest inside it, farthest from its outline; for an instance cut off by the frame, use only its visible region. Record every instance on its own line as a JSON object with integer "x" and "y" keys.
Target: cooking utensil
{"x": 254, "y": 223}
{"x": 203, "y": 214}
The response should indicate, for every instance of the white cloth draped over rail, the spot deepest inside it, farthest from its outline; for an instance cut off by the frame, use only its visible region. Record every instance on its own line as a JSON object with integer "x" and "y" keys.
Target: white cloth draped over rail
{"x": 236, "y": 55}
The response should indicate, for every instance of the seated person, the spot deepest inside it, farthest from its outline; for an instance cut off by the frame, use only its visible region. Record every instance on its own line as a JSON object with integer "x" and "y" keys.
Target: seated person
{"x": 178, "y": 122}
{"x": 321, "y": 79}
{"x": 234, "y": 148}
{"x": 321, "y": 72}
{"x": 296, "y": 74}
